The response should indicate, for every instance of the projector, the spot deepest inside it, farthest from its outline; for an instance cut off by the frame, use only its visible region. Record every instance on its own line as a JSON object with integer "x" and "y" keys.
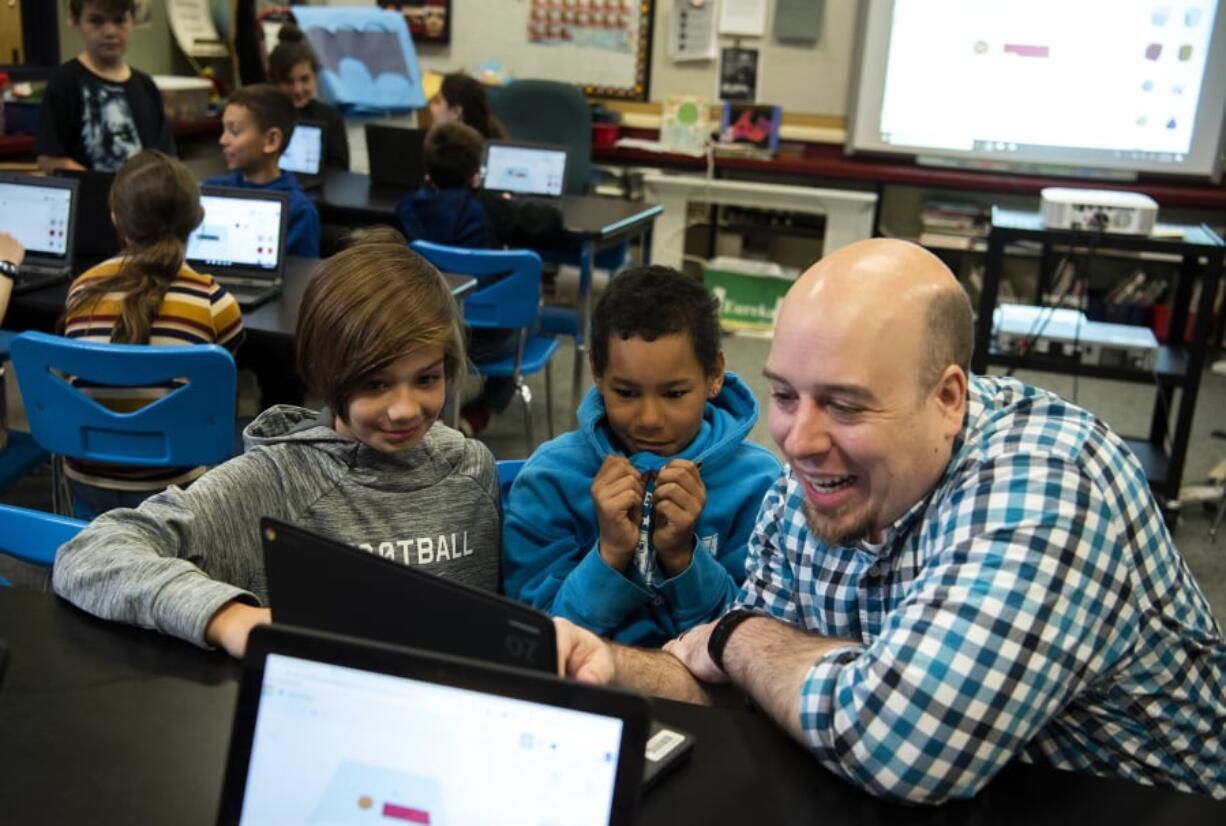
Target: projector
{"x": 1098, "y": 210}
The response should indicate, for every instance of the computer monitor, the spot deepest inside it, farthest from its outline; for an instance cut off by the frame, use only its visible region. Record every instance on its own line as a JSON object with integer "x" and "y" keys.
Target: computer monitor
{"x": 242, "y": 229}
{"x": 525, "y": 168}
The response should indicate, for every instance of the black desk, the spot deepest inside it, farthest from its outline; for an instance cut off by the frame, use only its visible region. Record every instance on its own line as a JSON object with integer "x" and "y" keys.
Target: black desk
{"x": 594, "y": 222}
{"x": 39, "y": 309}
{"x": 102, "y": 723}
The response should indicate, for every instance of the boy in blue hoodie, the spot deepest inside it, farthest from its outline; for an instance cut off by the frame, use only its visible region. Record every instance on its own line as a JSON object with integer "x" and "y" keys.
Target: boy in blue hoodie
{"x": 446, "y": 209}
{"x": 256, "y": 128}
{"x": 635, "y": 525}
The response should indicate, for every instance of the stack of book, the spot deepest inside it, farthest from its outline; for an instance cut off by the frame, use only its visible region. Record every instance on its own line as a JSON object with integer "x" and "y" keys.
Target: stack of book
{"x": 953, "y": 225}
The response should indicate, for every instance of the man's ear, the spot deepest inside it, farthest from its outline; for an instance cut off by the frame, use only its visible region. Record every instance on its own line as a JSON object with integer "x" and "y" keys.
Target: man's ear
{"x": 950, "y": 394}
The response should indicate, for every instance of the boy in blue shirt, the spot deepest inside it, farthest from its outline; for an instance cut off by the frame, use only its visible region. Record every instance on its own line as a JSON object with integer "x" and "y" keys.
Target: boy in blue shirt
{"x": 446, "y": 209}
{"x": 635, "y": 526}
{"x": 256, "y": 128}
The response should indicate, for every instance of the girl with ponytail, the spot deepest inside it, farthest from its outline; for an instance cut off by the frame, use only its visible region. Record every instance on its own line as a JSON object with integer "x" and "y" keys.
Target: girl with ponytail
{"x": 146, "y": 295}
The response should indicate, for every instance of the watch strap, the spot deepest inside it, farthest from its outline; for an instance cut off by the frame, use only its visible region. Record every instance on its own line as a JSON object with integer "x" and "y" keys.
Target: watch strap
{"x": 718, "y": 640}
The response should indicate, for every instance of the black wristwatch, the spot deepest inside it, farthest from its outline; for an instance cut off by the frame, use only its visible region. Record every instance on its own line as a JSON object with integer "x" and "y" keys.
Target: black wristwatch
{"x": 718, "y": 641}
{"x": 8, "y": 269}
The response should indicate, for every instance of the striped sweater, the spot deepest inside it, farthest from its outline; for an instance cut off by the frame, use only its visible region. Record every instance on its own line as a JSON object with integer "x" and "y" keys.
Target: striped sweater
{"x": 195, "y": 310}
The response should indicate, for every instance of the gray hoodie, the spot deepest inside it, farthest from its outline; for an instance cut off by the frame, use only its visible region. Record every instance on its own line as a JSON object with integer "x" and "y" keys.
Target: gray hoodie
{"x": 174, "y": 561}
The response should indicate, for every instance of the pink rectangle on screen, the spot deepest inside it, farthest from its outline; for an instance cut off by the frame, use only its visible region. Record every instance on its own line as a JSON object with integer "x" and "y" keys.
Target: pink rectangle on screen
{"x": 405, "y": 813}
{"x": 1022, "y": 50}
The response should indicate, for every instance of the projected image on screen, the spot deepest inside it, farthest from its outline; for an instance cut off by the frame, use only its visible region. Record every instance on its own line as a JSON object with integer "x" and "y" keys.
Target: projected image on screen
{"x": 237, "y": 231}
{"x": 305, "y": 150}
{"x": 1107, "y": 83}
{"x": 37, "y": 216}
{"x": 526, "y": 170}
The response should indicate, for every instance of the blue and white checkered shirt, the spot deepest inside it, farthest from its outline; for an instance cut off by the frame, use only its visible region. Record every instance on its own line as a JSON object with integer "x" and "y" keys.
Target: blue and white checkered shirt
{"x": 1033, "y": 605}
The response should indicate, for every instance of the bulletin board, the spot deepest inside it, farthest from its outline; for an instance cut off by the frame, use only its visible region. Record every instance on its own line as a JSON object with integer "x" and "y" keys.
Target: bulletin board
{"x": 603, "y": 46}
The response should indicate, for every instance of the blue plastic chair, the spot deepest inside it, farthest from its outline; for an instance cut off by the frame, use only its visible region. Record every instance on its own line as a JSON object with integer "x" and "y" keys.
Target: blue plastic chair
{"x": 21, "y": 454}
{"x": 508, "y": 469}
{"x": 33, "y": 536}
{"x": 508, "y": 296}
{"x": 192, "y": 425}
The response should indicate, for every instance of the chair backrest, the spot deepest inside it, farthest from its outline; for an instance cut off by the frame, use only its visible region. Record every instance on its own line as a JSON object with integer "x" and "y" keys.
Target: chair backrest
{"x": 34, "y": 536}
{"x": 508, "y": 469}
{"x": 549, "y": 111}
{"x": 508, "y": 293}
{"x": 192, "y": 425}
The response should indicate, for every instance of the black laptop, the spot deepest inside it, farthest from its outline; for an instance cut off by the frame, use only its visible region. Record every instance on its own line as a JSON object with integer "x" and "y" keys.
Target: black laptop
{"x": 241, "y": 241}
{"x": 304, "y": 156}
{"x": 395, "y": 156}
{"x": 95, "y": 238}
{"x": 41, "y": 213}
{"x": 309, "y": 577}
{"x": 524, "y": 168}
{"x": 330, "y": 729}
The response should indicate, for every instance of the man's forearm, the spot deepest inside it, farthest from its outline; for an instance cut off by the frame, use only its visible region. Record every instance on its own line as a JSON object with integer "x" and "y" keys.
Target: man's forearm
{"x": 660, "y": 674}
{"x": 770, "y": 660}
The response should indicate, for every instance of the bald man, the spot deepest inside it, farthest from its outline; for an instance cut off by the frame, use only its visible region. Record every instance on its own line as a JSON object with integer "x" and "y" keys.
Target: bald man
{"x": 954, "y": 570}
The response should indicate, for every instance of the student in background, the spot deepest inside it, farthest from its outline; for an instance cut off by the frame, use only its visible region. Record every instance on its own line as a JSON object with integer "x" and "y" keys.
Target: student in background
{"x": 256, "y": 127}
{"x": 98, "y": 111}
{"x": 635, "y": 526}
{"x": 146, "y": 295}
{"x": 462, "y": 99}
{"x": 378, "y": 339}
{"x": 446, "y": 209}
{"x": 292, "y": 65}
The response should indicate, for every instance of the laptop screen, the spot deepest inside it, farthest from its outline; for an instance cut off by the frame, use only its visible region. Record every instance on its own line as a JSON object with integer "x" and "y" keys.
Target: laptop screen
{"x": 305, "y": 151}
{"x": 525, "y": 169}
{"x": 335, "y": 744}
{"x": 238, "y": 231}
{"x": 38, "y": 216}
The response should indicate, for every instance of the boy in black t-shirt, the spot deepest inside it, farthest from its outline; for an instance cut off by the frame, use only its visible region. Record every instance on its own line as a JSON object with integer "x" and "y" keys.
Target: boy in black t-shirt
{"x": 97, "y": 110}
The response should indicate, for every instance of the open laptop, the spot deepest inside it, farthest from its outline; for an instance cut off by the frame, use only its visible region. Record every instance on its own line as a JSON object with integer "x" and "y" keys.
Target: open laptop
{"x": 41, "y": 213}
{"x": 241, "y": 241}
{"x": 395, "y": 156}
{"x": 304, "y": 156}
{"x": 96, "y": 239}
{"x": 524, "y": 168}
{"x": 330, "y": 729}
{"x": 316, "y": 582}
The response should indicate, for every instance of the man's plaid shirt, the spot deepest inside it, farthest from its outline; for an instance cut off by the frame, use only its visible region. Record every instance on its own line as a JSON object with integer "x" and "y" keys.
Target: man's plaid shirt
{"x": 1033, "y": 605}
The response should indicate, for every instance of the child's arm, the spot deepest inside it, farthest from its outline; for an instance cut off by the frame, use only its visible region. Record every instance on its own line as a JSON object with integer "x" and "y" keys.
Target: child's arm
{"x": 59, "y": 120}
{"x": 175, "y": 561}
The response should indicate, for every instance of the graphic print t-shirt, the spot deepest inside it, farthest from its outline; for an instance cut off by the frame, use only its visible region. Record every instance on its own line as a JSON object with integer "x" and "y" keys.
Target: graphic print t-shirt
{"x": 98, "y": 123}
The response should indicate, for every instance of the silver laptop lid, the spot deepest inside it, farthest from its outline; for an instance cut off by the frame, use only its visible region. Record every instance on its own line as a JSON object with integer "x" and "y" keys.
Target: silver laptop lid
{"x": 243, "y": 232}
{"x": 41, "y": 214}
{"x": 525, "y": 168}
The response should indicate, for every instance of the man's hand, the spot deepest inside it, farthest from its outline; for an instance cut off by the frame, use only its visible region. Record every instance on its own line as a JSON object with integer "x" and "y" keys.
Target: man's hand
{"x": 231, "y": 625}
{"x": 691, "y": 649}
{"x": 617, "y": 493}
{"x": 11, "y": 249}
{"x": 676, "y": 505}
{"x": 582, "y": 655}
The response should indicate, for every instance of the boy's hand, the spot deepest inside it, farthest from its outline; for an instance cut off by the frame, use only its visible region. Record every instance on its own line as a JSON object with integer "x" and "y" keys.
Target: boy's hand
{"x": 679, "y": 499}
{"x": 617, "y": 493}
{"x": 231, "y": 625}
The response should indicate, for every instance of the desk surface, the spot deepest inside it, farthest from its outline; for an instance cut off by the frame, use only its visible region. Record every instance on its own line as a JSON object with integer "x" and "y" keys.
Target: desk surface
{"x": 351, "y": 195}
{"x": 276, "y": 318}
{"x": 109, "y": 724}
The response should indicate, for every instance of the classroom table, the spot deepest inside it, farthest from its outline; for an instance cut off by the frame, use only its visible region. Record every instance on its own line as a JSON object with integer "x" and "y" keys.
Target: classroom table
{"x": 104, "y": 723}
{"x": 592, "y": 222}
{"x": 274, "y": 320}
